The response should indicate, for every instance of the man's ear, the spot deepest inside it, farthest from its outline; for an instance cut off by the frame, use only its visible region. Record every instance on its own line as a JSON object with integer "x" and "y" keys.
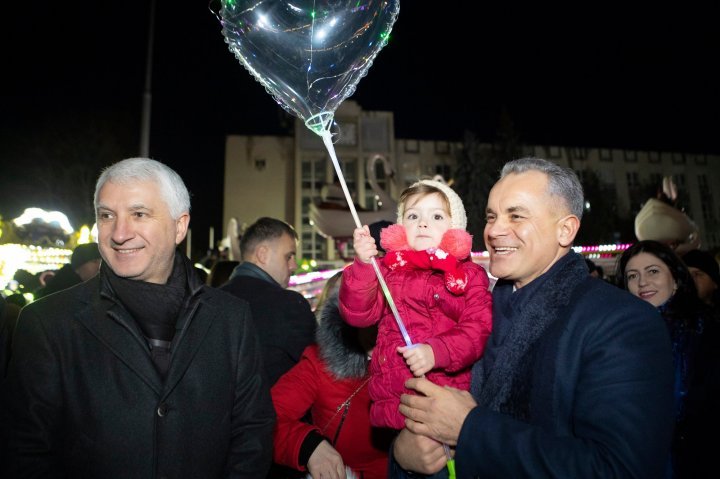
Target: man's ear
{"x": 262, "y": 253}
{"x": 567, "y": 230}
{"x": 181, "y": 227}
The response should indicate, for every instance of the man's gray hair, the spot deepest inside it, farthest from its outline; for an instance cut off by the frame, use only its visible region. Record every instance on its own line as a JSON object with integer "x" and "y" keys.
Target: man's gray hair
{"x": 172, "y": 187}
{"x": 562, "y": 182}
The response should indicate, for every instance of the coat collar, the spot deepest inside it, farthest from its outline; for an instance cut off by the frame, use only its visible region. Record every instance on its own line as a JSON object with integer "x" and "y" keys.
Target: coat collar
{"x": 521, "y": 318}
{"x": 107, "y": 320}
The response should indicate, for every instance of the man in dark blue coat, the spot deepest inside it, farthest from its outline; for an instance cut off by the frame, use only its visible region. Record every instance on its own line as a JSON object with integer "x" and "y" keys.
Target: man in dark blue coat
{"x": 142, "y": 371}
{"x": 283, "y": 316}
{"x": 576, "y": 379}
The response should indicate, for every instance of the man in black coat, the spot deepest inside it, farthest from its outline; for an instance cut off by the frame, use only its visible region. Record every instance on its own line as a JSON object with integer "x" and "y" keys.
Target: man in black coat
{"x": 142, "y": 371}
{"x": 283, "y": 317}
{"x": 576, "y": 379}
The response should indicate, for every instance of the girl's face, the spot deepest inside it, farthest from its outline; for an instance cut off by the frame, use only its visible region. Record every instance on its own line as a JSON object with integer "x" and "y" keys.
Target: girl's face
{"x": 426, "y": 219}
{"x": 648, "y": 278}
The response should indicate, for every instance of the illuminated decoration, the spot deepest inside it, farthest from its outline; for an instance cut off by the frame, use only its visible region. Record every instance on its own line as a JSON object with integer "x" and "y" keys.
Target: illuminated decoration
{"x": 53, "y": 218}
{"x": 602, "y": 251}
{"x": 315, "y": 276}
{"x": 87, "y": 235}
{"x": 42, "y": 228}
{"x": 37, "y": 241}
{"x": 308, "y": 55}
{"x": 34, "y": 259}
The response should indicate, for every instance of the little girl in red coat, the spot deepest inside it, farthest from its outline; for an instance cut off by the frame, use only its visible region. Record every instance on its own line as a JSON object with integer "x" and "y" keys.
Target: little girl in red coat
{"x": 441, "y": 296}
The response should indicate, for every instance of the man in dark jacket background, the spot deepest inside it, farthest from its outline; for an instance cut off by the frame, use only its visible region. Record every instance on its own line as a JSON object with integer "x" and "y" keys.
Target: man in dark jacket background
{"x": 84, "y": 264}
{"x": 142, "y": 371}
{"x": 576, "y": 379}
{"x": 282, "y": 316}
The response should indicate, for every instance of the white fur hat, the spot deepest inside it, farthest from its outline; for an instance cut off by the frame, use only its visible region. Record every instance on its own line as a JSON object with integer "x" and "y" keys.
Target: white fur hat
{"x": 458, "y": 219}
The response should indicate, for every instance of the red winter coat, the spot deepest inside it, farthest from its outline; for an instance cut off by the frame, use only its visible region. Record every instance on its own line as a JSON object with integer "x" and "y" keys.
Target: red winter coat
{"x": 456, "y": 326}
{"x": 310, "y": 386}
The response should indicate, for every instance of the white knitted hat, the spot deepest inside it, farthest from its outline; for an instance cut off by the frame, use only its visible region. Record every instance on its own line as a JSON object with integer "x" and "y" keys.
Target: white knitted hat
{"x": 458, "y": 219}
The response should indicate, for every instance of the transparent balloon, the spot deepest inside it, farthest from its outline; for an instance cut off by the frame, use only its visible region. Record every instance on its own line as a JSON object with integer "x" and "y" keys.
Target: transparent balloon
{"x": 309, "y": 55}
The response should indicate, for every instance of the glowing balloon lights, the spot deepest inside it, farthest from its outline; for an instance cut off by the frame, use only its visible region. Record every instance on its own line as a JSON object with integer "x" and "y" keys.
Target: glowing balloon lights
{"x": 309, "y": 55}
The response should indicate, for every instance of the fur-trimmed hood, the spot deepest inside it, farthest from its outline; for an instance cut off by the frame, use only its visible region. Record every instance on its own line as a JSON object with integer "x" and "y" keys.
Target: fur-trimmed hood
{"x": 339, "y": 343}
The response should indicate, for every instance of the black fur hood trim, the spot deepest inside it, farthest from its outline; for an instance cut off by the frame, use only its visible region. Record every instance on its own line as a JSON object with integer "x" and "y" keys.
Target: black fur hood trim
{"x": 338, "y": 342}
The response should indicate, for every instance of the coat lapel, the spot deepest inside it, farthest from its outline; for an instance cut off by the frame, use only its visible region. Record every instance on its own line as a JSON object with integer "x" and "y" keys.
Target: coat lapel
{"x": 199, "y": 321}
{"x": 110, "y": 326}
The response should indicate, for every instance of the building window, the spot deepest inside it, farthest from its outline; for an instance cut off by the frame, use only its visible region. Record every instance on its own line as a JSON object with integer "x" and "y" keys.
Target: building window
{"x": 312, "y": 177}
{"x": 703, "y": 183}
{"x": 578, "y": 153}
{"x": 412, "y": 146}
{"x": 656, "y": 179}
{"x": 633, "y": 180}
{"x": 701, "y": 160}
{"x": 442, "y": 147}
{"x": 375, "y": 134}
{"x": 630, "y": 156}
{"x": 605, "y": 154}
{"x": 654, "y": 156}
{"x": 678, "y": 159}
{"x": 347, "y": 134}
{"x": 707, "y": 211}
{"x": 553, "y": 152}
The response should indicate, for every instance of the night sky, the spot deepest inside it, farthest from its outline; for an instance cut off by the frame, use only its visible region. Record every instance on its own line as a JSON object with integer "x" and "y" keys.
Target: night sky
{"x": 594, "y": 75}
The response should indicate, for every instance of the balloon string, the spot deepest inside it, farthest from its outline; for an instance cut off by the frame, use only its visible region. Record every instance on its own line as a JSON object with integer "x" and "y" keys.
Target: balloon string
{"x": 327, "y": 139}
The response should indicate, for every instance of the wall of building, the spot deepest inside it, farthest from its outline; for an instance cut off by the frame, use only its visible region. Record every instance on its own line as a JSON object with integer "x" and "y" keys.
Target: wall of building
{"x": 258, "y": 178}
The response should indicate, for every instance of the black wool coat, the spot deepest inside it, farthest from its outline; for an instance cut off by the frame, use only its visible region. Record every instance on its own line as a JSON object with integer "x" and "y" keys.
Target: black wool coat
{"x": 283, "y": 318}
{"x": 84, "y": 399}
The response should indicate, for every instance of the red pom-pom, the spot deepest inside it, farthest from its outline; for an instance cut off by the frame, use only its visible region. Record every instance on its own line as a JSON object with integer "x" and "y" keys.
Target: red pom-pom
{"x": 457, "y": 242}
{"x": 394, "y": 238}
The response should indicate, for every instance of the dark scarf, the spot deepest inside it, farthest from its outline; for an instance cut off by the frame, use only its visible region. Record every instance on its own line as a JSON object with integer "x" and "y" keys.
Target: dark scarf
{"x": 501, "y": 380}
{"x": 155, "y": 308}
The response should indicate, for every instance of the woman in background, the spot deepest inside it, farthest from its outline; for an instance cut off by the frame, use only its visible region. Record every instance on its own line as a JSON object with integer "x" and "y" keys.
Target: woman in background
{"x": 653, "y": 272}
{"x": 330, "y": 382}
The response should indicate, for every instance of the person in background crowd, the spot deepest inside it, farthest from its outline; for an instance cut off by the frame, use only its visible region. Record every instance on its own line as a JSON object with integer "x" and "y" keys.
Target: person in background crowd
{"x": 9, "y": 313}
{"x": 84, "y": 264}
{"x": 375, "y": 231}
{"x": 706, "y": 273}
{"x": 142, "y": 371}
{"x": 284, "y": 316}
{"x": 653, "y": 272}
{"x": 220, "y": 272}
{"x": 576, "y": 379}
{"x": 595, "y": 270}
{"x": 330, "y": 382}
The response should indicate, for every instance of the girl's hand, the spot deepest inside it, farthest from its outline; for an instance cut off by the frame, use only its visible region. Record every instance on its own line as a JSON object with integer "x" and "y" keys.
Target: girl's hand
{"x": 419, "y": 357}
{"x": 364, "y": 244}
